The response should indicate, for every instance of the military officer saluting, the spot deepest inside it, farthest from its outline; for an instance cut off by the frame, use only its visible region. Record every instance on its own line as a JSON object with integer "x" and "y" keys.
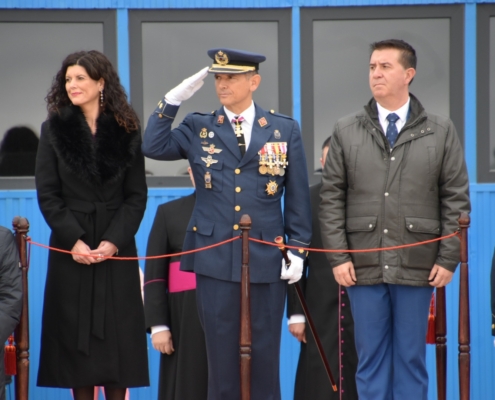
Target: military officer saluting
{"x": 245, "y": 161}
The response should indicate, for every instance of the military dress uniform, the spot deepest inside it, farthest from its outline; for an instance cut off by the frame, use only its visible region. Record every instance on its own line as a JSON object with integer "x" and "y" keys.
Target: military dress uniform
{"x": 228, "y": 185}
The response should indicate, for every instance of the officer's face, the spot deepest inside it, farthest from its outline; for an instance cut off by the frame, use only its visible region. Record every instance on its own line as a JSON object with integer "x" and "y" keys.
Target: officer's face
{"x": 82, "y": 90}
{"x": 389, "y": 80}
{"x": 235, "y": 91}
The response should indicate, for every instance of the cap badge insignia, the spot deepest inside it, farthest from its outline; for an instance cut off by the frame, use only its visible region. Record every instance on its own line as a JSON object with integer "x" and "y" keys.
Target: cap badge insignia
{"x": 203, "y": 133}
{"x": 221, "y": 58}
{"x": 276, "y": 134}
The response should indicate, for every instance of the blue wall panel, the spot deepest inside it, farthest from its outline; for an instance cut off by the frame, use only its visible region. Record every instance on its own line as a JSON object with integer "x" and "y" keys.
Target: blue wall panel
{"x": 481, "y": 242}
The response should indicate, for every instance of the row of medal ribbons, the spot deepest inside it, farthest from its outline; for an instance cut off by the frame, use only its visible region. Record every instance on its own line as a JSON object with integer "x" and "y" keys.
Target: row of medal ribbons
{"x": 273, "y": 158}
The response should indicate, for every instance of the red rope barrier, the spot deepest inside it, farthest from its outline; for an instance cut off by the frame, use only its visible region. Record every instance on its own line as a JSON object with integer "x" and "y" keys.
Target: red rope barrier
{"x": 135, "y": 258}
{"x": 28, "y": 239}
{"x": 403, "y": 246}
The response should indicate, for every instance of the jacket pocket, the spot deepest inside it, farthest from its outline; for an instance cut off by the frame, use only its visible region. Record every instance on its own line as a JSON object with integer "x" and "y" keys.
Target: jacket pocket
{"x": 353, "y": 153}
{"x": 432, "y": 165}
{"x": 362, "y": 234}
{"x": 419, "y": 230}
{"x": 214, "y": 169}
{"x": 201, "y": 226}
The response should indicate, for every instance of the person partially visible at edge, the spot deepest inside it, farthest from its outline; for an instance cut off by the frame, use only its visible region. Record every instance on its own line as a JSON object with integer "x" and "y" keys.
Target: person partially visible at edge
{"x": 170, "y": 306}
{"x": 18, "y": 152}
{"x": 245, "y": 160}
{"x": 330, "y": 310}
{"x": 92, "y": 193}
{"x": 395, "y": 174}
{"x": 10, "y": 295}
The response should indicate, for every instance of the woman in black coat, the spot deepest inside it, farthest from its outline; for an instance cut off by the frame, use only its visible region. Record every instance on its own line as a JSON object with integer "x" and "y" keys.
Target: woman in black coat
{"x": 92, "y": 192}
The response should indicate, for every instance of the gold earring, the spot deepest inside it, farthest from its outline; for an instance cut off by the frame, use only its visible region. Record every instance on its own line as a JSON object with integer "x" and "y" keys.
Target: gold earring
{"x": 101, "y": 97}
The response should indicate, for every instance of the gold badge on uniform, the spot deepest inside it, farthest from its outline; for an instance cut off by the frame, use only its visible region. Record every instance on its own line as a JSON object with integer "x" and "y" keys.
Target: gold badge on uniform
{"x": 276, "y": 133}
{"x": 203, "y": 133}
{"x": 211, "y": 149}
{"x": 271, "y": 188}
{"x": 262, "y": 121}
{"x": 220, "y": 119}
{"x": 273, "y": 158}
{"x": 207, "y": 180}
{"x": 208, "y": 161}
{"x": 221, "y": 58}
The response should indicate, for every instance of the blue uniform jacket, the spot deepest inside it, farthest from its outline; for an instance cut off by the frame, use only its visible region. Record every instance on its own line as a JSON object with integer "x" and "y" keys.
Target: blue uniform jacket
{"x": 237, "y": 188}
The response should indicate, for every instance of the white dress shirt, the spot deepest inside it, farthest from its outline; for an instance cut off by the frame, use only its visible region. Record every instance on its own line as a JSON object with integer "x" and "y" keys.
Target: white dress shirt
{"x": 247, "y": 124}
{"x": 401, "y": 112}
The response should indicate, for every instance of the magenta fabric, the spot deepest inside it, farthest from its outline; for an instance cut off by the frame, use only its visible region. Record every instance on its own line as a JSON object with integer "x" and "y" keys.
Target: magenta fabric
{"x": 179, "y": 281}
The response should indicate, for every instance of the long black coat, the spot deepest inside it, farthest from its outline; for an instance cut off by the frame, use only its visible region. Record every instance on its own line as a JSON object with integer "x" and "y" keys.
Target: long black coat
{"x": 330, "y": 308}
{"x": 184, "y": 373}
{"x": 10, "y": 294}
{"x": 93, "y": 189}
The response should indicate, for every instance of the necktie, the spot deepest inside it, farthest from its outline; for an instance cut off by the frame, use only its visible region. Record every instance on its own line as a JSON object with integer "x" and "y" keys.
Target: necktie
{"x": 237, "y": 120}
{"x": 392, "y": 131}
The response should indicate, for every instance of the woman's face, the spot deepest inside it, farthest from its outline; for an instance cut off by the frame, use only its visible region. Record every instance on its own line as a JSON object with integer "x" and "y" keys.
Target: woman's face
{"x": 81, "y": 89}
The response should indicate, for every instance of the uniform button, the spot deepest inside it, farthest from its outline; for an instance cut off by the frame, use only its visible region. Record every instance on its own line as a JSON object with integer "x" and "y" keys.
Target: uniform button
{"x": 371, "y": 225}
{"x": 392, "y": 158}
{"x": 160, "y": 115}
{"x": 386, "y": 193}
{"x": 386, "y": 266}
{"x": 195, "y": 229}
{"x": 422, "y": 131}
{"x": 427, "y": 129}
{"x": 385, "y": 231}
{"x": 236, "y": 227}
{"x": 238, "y": 189}
{"x": 237, "y": 208}
{"x": 237, "y": 171}
{"x": 412, "y": 134}
{"x": 410, "y": 226}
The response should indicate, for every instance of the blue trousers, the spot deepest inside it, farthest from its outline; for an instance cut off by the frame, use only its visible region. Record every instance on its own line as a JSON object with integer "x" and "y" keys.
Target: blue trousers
{"x": 219, "y": 313}
{"x": 390, "y": 323}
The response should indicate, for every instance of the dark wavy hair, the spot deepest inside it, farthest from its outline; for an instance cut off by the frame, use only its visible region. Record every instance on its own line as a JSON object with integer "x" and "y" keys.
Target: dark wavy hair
{"x": 97, "y": 65}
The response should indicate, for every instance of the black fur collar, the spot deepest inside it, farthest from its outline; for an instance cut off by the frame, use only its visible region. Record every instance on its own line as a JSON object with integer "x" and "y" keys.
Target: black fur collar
{"x": 97, "y": 160}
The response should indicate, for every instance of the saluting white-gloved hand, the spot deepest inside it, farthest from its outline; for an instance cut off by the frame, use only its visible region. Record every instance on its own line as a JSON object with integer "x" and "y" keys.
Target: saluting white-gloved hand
{"x": 186, "y": 88}
{"x": 294, "y": 272}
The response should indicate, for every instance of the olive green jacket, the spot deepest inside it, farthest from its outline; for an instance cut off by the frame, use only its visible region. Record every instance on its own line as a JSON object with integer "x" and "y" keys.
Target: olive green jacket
{"x": 372, "y": 197}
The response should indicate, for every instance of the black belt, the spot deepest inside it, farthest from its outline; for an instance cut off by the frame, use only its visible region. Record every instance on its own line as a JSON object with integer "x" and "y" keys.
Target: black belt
{"x": 93, "y": 277}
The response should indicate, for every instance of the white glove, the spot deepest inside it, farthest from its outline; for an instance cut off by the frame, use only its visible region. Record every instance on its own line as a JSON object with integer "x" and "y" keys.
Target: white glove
{"x": 187, "y": 88}
{"x": 294, "y": 272}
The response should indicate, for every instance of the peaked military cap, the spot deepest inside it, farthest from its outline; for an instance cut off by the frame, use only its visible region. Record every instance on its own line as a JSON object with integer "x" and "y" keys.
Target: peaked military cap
{"x": 232, "y": 61}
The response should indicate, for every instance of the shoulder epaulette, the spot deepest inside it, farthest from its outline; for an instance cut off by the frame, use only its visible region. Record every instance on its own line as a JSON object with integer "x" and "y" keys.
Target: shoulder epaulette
{"x": 280, "y": 115}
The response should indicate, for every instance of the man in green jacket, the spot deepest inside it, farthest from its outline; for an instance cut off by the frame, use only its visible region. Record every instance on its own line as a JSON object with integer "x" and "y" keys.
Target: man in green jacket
{"x": 394, "y": 175}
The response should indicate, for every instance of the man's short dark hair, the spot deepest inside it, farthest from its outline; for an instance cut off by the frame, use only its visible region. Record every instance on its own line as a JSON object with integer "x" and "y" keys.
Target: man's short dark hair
{"x": 326, "y": 143}
{"x": 408, "y": 54}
